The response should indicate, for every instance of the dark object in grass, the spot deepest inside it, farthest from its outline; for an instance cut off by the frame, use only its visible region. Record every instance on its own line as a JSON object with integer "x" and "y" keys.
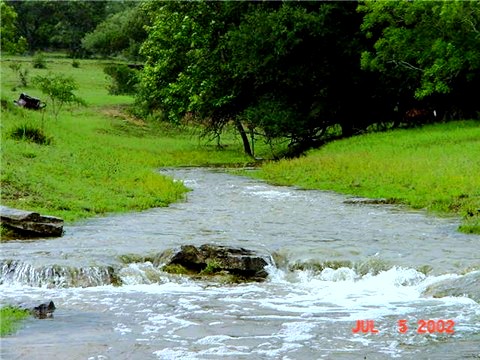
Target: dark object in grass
{"x": 29, "y": 102}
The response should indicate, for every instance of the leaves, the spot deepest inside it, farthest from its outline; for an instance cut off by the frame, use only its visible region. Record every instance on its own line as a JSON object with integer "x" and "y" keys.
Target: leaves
{"x": 431, "y": 43}
{"x": 10, "y": 41}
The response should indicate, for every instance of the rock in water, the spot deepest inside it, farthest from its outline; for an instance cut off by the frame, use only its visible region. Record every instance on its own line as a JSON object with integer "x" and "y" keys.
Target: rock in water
{"x": 235, "y": 261}
{"x": 29, "y": 223}
{"x": 467, "y": 285}
{"x": 43, "y": 311}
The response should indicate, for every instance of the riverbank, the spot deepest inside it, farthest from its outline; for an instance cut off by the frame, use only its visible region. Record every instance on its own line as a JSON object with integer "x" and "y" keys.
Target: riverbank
{"x": 435, "y": 168}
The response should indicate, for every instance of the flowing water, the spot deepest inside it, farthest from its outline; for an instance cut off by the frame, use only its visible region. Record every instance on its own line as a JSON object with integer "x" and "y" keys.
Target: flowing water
{"x": 333, "y": 263}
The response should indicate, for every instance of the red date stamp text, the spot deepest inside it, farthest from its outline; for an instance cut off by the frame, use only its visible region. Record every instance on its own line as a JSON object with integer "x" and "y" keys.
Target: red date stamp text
{"x": 430, "y": 326}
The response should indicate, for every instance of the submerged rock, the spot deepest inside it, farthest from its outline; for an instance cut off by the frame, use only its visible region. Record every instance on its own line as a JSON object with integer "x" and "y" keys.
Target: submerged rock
{"x": 30, "y": 224}
{"x": 467, "y": 285}
{"x": 211, "y": 259}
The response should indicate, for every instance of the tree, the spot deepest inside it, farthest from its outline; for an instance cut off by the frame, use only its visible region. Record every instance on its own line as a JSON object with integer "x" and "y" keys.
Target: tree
{"x": 10, "y": 41}
{"x": 59, "y": 90}
{"x": 432, "y": 47}
{"x": 282, "y": 69}
{"x": 57, "y": 24}
{"x": 74, "y": 20}
{"x": 121, "y": 33}
{"x": 185, "y": 70}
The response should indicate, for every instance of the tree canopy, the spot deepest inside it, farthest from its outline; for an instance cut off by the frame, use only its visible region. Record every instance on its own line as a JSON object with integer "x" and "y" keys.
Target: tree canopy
{"x": 300, "y": 71}
{"x": 60, "y": 24}
{"x": 281, "y": 69}
{"x": 121, "y": 33}
{"x": 10, "y": 40}
{"x": 434, "y": 47}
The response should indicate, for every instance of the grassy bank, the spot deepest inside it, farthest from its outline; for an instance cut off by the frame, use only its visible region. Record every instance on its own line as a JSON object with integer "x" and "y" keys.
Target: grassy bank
{"x": 435, "y": 167}
{"x": 10, "y": 318}
{"x": 98, "y": 159}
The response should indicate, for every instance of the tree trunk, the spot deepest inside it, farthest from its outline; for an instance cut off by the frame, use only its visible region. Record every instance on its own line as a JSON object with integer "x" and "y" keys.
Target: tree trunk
{"x": 243, "y": 134}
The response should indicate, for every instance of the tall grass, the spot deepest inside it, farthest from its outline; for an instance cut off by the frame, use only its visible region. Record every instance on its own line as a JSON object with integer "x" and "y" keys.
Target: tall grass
{"x": 435, "y": 167}
{"x": 100, "y": 159}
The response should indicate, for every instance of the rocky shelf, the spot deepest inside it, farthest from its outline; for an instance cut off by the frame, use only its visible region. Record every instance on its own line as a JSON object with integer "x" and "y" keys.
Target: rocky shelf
{"x": 28, "y": 224}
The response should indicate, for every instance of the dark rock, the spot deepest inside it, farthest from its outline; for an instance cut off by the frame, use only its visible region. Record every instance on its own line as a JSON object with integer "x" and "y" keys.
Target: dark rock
{"x": 44, "y": 311}
{"x": 211, "y": 259}
{"x": 30, "y": 224}
{"x": 467, "y": 285}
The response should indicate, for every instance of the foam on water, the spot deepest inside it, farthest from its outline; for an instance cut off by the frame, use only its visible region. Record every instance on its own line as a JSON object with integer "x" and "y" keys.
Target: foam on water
{"x": 291, "y": 315}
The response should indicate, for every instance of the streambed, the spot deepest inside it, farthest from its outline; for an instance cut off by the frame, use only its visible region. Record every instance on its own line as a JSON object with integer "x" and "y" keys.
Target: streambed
{"x": 336, "y": 263}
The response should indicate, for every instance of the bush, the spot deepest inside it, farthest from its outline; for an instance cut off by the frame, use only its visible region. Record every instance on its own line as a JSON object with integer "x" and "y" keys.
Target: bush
{"x": 21, "y": 73}
{"x": 59, "y": 90}
{"x": 75, "y": 63}
{"x": 30, "y": 133}
{"x": 124, "y": 79}
{"x": 39, "y": 61}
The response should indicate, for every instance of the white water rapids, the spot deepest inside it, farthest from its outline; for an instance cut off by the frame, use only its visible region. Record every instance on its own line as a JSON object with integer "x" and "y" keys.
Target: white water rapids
{"x": 336, "y": 263}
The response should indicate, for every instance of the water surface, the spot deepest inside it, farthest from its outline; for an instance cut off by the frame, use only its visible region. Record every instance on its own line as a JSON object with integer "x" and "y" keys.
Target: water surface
{"x": 356, "y": 262}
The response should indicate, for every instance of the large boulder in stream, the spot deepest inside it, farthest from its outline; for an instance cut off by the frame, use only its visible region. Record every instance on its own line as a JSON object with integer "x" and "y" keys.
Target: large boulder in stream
{"x": 467, "y": 285}
{"x": 213, "y": 260}
{"x": 30, "y": 224}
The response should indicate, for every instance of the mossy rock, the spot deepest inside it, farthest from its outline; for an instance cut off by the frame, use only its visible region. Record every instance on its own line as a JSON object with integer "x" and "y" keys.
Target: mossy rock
{"x": 225, "y": 264}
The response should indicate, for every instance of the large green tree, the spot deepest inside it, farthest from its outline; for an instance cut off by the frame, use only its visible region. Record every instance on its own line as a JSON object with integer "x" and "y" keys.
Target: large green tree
{"x": 282, "y": 69}
{"x": 432, "y": 48}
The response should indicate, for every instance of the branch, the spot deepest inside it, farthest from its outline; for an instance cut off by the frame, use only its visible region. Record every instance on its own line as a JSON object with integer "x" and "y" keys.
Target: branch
{"x": 473, "y": 25}
{"x": 406, "y": 64}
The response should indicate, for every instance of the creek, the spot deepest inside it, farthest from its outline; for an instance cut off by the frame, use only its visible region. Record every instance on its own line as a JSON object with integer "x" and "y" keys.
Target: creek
{"x": 333, "y": 263}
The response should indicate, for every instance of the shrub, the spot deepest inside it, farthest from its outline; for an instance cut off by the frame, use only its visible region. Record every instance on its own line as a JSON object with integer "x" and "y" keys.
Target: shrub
{"x": 39, "y": 61}
{"x": 21, "y": 73}
{"x": 75, "y": 63}
{"x": 30, "y": 133}
{"x": 124, "y": 79}
{"x": 59, "y": 89}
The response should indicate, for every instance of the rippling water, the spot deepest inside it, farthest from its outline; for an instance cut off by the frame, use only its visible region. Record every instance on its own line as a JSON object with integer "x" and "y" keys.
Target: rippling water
{"x": 336, "y": 263}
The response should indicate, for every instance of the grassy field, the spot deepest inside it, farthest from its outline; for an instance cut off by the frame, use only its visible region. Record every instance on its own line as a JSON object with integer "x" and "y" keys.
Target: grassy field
{"x": 100, "y": 159}
{"x": 435, "y": 167}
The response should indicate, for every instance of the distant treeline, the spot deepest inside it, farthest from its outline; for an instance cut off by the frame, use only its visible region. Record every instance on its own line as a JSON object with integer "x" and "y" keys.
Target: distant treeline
{"x": 301, "y": 71}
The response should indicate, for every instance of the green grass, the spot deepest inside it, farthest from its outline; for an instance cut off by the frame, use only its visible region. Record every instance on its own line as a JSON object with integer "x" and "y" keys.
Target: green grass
{"x": 10, "y": 317}
{"x": 435, "y": 167}
{"x": 99, "y": 159}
